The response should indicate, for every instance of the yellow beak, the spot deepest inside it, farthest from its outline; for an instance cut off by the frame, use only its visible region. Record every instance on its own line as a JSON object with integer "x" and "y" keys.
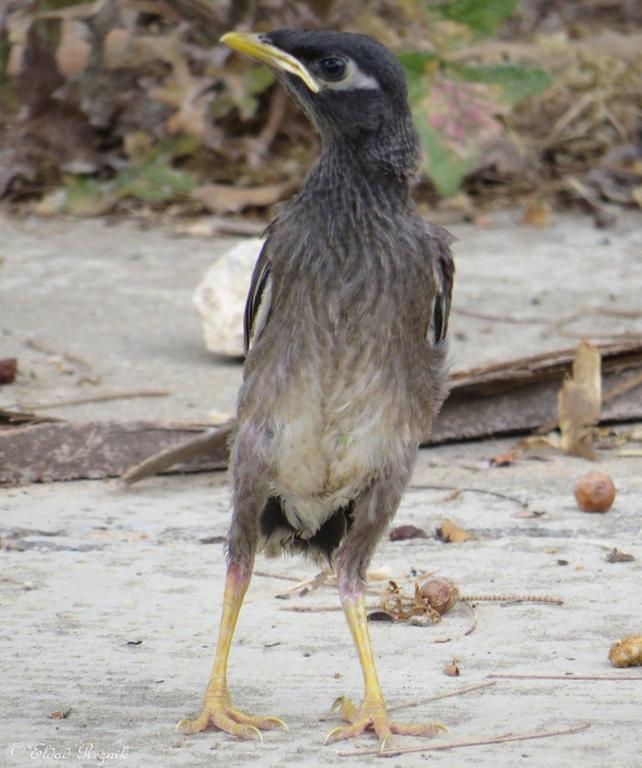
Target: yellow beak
{"x": 253, "y": 46}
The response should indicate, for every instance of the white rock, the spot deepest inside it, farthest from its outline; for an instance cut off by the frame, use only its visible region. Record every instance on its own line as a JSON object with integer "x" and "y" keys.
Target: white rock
{"x": 220, "y": 299}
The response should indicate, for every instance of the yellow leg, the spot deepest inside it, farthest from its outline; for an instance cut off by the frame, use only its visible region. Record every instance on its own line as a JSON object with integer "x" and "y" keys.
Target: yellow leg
{"x": 372, "y": 714}
{"x": 218, "y": 711}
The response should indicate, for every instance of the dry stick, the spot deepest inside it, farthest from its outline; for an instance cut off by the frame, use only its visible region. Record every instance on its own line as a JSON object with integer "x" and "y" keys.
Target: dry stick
{"x": 563, "y": 677}
{"x": 622, "y": 388}
{"x": 501, "y": 318}
{"x": 175, "y": 455}
{"x": 419, "y": 702}
{"x": 522, "y": 504}
{"x": 40, "y": 346}
{"x": 473, "y": 743}
{"x": 122, "y": 395}
{"x": 558, "y": 324}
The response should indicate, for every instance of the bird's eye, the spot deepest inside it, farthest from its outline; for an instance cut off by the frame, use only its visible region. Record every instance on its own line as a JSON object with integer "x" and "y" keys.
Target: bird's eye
{"x": 333, "y": 68}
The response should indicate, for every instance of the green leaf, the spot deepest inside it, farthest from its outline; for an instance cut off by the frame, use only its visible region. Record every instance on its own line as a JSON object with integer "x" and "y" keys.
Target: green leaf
{"x": 456, "y": 121}
{"x": 517, "y": 82}
{"x": 154, "y": 182}
{"x": 80, "y": 196}
{"x": 483, "y": 17}
{"x": 416, "y": 63}
{"x": 441, "y": 164}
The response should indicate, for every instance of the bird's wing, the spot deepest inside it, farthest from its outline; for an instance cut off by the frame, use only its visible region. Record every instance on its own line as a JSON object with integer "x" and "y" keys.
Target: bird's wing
{"x": 443, "y": 274}
{"x": 259, "y": 297}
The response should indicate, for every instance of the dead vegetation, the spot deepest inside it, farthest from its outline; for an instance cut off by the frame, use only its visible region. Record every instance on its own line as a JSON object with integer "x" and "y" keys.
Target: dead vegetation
{"x": 132, "y": 106}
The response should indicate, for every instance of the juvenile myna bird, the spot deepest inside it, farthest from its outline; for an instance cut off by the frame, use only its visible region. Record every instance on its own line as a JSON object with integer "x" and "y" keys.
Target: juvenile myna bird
{"x": 345, "y": 327}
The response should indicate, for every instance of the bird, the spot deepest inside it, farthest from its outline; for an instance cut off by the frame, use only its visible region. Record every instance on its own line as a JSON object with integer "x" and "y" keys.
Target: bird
{"x": 345, "y": 326}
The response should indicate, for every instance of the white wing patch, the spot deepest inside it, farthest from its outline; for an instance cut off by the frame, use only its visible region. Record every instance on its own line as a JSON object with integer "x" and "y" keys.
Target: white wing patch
{"x": 261, "y": 312}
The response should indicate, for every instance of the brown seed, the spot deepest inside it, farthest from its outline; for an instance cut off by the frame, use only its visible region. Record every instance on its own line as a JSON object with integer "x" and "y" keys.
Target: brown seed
{"x": 8, "y": 369}
{"x": 439, "y": 594}
{"x": 627, "y": 652}
{"x": 595, "y": 492}
{"x": 403, "y": 532}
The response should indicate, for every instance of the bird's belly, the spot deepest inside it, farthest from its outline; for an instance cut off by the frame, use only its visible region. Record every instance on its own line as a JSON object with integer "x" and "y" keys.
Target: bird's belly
{"x": 325, "y": 457}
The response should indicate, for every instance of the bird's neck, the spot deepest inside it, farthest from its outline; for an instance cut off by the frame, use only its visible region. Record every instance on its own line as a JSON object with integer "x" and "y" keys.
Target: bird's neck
{"x": 383, "y": 163}
{"x": 347, "y": 172}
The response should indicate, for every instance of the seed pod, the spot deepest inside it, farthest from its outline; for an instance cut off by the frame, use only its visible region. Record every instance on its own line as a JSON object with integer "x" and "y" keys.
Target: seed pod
{"x": 439, "y": 594}
{"x": 595, "y": 492}
{"x": 627, "y": 652}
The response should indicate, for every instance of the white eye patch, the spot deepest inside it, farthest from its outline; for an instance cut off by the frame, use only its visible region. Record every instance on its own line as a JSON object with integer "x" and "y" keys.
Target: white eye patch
{"x": 355, "y": 79}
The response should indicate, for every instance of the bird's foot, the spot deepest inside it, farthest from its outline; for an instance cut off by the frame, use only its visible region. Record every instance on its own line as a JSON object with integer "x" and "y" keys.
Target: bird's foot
{"x": 374, "y": 716}
{"x": 218, "y": 712}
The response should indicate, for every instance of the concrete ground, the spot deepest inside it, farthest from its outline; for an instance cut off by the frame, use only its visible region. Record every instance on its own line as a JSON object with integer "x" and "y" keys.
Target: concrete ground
{"x": 113, "y": 597}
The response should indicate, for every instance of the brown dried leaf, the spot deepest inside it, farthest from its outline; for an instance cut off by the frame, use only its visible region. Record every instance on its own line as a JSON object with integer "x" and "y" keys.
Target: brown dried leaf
{"x": 451, "y": 669}
{"x": 60, "y": 714}
{"x": 536, "y": 214}
{"x": 73, "y": 53}
{"x": 219, "y": 198}
{"x": 627, "y": 652}
{"x": 403, "y": 532}
{"x": 615, "y": 556}
{"x": 579, "y": 402}
{"x": 505, "y": 459}
{"x": 450, "y": 533}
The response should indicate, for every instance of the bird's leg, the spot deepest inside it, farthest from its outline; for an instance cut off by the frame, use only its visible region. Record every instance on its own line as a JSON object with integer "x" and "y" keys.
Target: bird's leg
{"x": 372, "y": 513}
{"x": 218, "y": 711}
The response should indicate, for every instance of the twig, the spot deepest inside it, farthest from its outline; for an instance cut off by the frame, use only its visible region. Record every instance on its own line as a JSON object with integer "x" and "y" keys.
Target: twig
{"x": 321, "y": 608}
{"x": 563, "y": 677}
{"x": 308, "y": 585}
{"x": 473, "y": 743}
{"x": 177, "y": 454}
{"x": 473, "y": 625}
{"x": 558, "y": 324}
{"x": 420, "y": 702}
{"x": 622, "y": 388}
{"x": 40, "y": 346}
{"x": 522, "y": 504}
{"x": 282, "y": 576}
{"x": 118, "y": 395}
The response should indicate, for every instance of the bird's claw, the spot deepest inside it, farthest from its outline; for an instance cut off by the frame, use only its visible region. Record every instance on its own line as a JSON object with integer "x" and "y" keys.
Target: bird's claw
{"x": 233, "y": 721}
{"x": 375, "y": 717}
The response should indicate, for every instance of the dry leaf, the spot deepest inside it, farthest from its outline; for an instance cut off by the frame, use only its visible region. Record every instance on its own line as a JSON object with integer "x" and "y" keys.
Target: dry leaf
{"x": 536, "y": 214}
{"x": 525, "y": 514}
{"x": 60, "y": 714}
{"x": 627, "y": 652}
{"x": 449, "y": 532}
{"x": 615, "y": 556}
{"x": 219, "y": 198}
{"x": 579, "y": 402}
{"x": 451, "y": 669}
{"x": 504, "y": 459}
{"x": 74, "y": 51}
{"x": 403, "y": 532}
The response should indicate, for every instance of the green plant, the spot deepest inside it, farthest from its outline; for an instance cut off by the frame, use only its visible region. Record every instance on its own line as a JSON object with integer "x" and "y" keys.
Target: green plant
{"x": 459, "y": 108}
